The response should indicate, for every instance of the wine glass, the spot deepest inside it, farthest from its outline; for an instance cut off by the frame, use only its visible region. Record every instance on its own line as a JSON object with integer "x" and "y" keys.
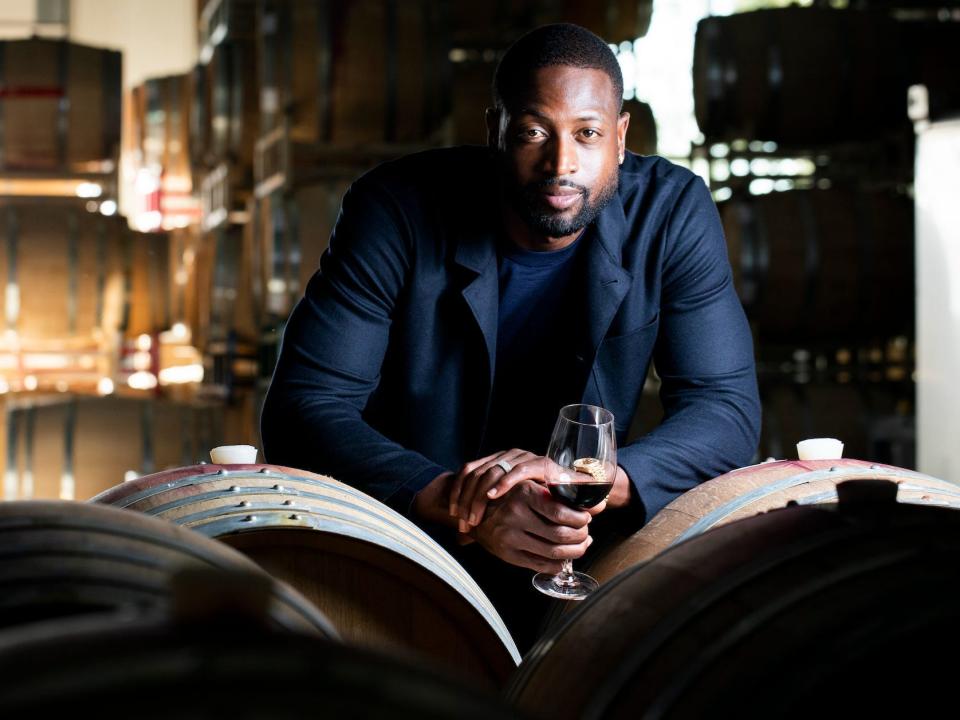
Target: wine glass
{"x": 581, "y": 471}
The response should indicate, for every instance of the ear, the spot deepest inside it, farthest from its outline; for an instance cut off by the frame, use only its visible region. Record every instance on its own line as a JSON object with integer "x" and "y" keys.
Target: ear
{"x": 492, "y": 117}
{"x": 623, "y": 122}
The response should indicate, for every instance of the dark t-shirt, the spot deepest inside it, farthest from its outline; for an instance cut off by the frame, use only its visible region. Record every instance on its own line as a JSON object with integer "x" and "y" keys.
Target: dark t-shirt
{"x": 537, "y": 317}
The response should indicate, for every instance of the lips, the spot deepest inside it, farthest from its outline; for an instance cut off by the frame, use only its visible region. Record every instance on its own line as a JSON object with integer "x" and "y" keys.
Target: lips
{"x": 560, "y": 198}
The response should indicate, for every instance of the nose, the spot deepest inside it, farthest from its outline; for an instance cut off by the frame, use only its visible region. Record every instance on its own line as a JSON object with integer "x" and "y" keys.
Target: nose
{"x": 562, "y": 156}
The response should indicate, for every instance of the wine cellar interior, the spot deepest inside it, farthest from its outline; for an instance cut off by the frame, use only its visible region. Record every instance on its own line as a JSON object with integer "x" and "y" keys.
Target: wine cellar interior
{"x": 171, "y": 172}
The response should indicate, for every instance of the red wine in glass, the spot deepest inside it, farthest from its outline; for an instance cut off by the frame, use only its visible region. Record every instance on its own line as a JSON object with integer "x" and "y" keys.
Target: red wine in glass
{"x": 583, "y": 449}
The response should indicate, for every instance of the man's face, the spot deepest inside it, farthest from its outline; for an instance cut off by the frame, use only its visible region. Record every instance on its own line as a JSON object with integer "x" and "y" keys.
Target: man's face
{"x": 561, "y": 145}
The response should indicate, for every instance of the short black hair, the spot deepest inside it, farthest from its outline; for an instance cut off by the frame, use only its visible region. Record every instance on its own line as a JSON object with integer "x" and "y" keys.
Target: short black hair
{"x": 548, "y": 45}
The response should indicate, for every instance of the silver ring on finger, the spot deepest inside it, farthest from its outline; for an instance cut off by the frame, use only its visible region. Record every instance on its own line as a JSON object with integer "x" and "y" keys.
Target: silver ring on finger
{"x": 505, "y": 465}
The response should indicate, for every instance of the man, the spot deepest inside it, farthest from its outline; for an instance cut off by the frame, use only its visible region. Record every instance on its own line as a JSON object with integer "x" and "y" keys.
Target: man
{"x": 469, "y": 293}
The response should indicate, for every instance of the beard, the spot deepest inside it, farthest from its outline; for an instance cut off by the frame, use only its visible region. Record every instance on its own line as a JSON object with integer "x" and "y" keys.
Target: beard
{"x": 544, "y": 220}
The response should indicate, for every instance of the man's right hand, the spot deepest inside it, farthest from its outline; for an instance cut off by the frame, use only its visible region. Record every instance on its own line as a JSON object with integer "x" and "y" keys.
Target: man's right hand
{"x": 528, "y": 528}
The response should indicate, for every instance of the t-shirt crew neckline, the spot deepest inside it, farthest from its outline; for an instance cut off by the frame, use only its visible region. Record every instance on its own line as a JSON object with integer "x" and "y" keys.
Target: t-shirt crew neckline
{"x": 537, "y": 258}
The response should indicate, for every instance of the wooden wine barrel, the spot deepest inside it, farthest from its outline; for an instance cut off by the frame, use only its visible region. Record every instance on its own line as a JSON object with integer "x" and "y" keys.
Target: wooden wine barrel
{"x": 642, "y": 130}
{"x": 290, "y": 231}
{"x": 757, "y": 489}
{"x": 615, "y": 21}
{"x": 854, "y": 411}
{"x": 233, "y": 102}
{"x": 63, "y": 559}
{"x": 226, "y": 20}
{"x": 231, "y": 298}
{"x": 823, "y": 264}
{"x": 73, "y": 447}
{"x": 208, "y": 670}
{"x": 793, "y": 613}
{"x": 350, "y": 74}
{"x": 498, "y": 24}
{"x": 798, "y": 76}
{"x": 379, "y": 578}
{"x": 162, "y": 117}
{"x": 59, "y": 105}
{"x": 149, "y": 283}
{"x": 199, "y": 120}
{"x": 64, "y": 269}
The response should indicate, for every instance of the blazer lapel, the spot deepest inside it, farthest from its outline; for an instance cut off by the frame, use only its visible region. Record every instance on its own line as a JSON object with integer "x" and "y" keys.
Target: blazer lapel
{"x": 477, "y": 255}
{"x": 607, "y": 283}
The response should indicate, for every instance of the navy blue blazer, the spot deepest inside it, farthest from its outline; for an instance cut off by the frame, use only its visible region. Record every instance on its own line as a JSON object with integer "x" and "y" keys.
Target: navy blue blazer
{"x": 386, "y": 365}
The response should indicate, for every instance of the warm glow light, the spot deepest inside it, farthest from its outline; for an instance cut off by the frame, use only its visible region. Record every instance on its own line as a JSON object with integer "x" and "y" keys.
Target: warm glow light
{"x": 144, "y": 342}
{"x": 88, "y": 190}
{"x": 180, "y": 374}
{"x": 130, "y": 475}
{"x": 108, "y": 207}
{"x": 761, "y": 186}
{"x": 4, "y": 386}
{"x": 105, "y": 386}
{"x": 146, "y": 181}
{"x": 740, "y": 167}
{"x": 10, "y": 481}
{"x": 26, "y": 485}
{"x": 13, "y": 304}
{"x": 62, "y": 386}
{"x": 142, "y": 380}
{"x": 180, "y": 330}
{"x": 148, "y": 221}
{"x": 67, "y": 486}
{"x": 141, "y": 361}
{"x": 30, "y": 382}
{"x": 46, "y": 361}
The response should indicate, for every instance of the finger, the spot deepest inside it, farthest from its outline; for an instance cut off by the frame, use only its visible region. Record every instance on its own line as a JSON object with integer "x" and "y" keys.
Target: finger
{"x": 552, "y": 551}
{"x": 532, "y": 469}
{"x": 473, "y": 498}
{"x": 553, "y": 534}
{"x": 558, "y": 513}
{"x": 457, "y": 487}
{"x": 597, "y": 509}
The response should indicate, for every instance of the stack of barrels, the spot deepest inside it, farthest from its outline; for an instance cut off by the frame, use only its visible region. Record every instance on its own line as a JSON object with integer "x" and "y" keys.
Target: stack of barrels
{"x": 81, "y": 286}
{"x": 105, "y": 607}
{"x": 342, "y": 87}
{"x": 825, "y": 272}
{"x": 773, "y": 590}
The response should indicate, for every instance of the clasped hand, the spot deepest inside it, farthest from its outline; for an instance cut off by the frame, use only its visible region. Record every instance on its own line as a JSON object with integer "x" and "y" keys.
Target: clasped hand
{"x": 526, "y": 527}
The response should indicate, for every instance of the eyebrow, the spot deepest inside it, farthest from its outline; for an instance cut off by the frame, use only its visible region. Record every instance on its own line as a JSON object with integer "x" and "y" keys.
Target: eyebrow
{"x": 588, "y": 115}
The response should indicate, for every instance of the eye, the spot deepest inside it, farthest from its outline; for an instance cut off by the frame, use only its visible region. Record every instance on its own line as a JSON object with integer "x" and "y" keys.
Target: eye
{"x": 590, "y": 133}
{"x": 532, "y": 134}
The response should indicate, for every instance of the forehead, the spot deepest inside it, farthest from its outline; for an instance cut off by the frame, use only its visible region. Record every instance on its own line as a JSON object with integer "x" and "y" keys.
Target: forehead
{"x": 566, "y": 89}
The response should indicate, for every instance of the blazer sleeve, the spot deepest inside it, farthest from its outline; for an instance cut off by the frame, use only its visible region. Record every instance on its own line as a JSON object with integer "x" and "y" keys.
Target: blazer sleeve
{"x": 704, "y": 357}
{"x": 331, "y": 355}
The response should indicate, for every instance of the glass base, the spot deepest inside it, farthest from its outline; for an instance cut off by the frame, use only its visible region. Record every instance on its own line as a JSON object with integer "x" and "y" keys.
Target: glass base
{"x": 579, "y": 586}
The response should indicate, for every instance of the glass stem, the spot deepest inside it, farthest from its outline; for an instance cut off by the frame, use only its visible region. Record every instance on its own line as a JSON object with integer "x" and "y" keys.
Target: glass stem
{"x": 566, "y": 578}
